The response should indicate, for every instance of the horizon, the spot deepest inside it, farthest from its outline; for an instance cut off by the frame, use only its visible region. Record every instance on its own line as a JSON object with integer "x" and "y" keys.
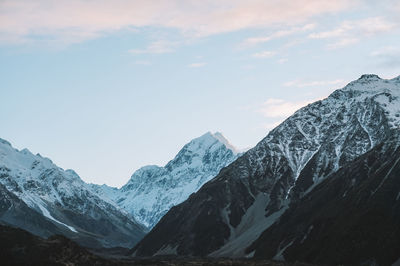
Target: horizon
{"x": 104, "y": 89}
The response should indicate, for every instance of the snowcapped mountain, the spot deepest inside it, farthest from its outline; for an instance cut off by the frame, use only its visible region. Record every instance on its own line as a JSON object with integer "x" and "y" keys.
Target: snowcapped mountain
{"x": 351, "y": 218}
{"x": 44, "y": 199}
{"x": 231, "y": 211}
{"x": 153, "y": 190}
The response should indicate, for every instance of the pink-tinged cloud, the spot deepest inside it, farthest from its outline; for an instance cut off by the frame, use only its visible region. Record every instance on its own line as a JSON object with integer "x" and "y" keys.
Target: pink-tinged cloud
{"x": 79, "y": 20}
{"x": 249, "y": 42}
{"x": 351, "y": 32}
{"x": 156, "y": 47}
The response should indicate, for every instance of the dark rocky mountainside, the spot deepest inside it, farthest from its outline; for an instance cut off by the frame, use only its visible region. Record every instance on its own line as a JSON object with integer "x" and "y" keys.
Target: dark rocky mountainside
{"x": 232, "y": 210}
{"x": 353, "y": 217}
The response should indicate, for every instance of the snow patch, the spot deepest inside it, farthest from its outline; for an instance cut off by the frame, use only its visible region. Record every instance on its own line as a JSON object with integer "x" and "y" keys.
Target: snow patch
{"x": 251, "y": 226}
{"x": 397, "y": 263}
{"x": 279, "y": 254}
{"x": 47, "y": 214}
{"x": 167, "y": 250}
{"x": 386, "y": 176}
{"x": 308, "y": 232}
{"x": 251, "y": 254}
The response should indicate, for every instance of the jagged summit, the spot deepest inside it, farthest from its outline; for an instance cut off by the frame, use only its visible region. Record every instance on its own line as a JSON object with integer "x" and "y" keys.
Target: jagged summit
{"x": 153, "y": 190}
{"x": 3, "y": 141}
{"x": 370, "y": 89}
{"x": 208, "y": 139}
{"x": 372, "y": 83}
{"x": 369, "y": 77}
{"x": 222, "y": 139}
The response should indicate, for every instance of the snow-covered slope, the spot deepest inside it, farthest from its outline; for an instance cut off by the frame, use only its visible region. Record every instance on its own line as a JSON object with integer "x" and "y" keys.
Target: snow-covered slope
{"x": 153, "y": 190}
{"x": 64, "y": 200}
{"x": 286, "y": 165}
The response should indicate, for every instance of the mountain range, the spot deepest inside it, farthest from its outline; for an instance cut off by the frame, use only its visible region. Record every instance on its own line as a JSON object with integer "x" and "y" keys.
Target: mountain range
{"x": 323, "y": 187}
{"x": 267, "y": 202}
{"x": 45, "y": 199}
{"x": 42, "y": 198}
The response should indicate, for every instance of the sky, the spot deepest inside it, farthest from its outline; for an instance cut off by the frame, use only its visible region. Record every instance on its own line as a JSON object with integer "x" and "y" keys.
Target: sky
{"x": 106, "y": 87}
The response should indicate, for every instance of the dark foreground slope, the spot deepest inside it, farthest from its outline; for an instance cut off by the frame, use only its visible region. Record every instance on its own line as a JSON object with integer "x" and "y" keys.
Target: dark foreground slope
{"x": 18, "y": 247}
{"x": 351, "y": 218}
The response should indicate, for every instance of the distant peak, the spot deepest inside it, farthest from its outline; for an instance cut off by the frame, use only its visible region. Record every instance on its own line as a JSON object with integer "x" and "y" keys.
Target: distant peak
{"x": 208, "y": 139}
{"x": 221, "y": 138}
{"x": 3, "y": 141}
{"x": 369, "y": 77}
{"x": 366, "y": 83}
{"x": 26, "y": 151}
{"x": 396, "y": 79}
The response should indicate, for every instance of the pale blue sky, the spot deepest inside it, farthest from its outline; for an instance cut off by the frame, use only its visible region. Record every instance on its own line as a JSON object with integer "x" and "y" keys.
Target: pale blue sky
{"x": 105, "y": 87}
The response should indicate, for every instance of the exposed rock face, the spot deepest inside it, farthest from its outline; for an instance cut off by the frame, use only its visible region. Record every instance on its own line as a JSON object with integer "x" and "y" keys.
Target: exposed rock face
{"x": 223, "y": 217}
{"x": 42, "y": 198}
{"x": 153, "y": 190}
{"x": 353, "y": 217}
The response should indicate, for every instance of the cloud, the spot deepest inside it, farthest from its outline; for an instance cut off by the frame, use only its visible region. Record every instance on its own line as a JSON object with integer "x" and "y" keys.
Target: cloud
{"x": 264, "y": 54}
{"x": 279, "y": 108}
{"x": 276, "y": 35}
{"x": 302, "y": 84}
{"x": 72, "y": 21}
{"x": 387, "y": 57}
{"x": 351, "y": 32}
{"x": 194, "y": 65}
{"x": 283, "y": 60}
{"x": 387, "y": 51}
{"x": 156, "y": 47}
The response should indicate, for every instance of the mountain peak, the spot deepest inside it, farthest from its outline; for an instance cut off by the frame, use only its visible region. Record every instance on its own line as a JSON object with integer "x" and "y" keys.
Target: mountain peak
{"x": 396, "y": 79}
{"x": 208, "y": 139}
{"x": 369, "y": 77}
{"x": 223, "y": 140}
{"x": 371, "y": 84}
{"x": 3, "y": 141}
{"x": 153, "y": 190}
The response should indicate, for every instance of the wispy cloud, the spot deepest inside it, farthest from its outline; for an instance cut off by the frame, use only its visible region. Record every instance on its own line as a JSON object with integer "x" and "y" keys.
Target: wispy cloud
{"x": 199, "y": 64}
{"x": 264, "y": 54}
{"x": 351, "y": 32}
{"x": 156, "y": 47}
{"x": 387, "y": 57}
{"x": 302, "y": 84}
{"x": 79, "y": 20}
{"x": 249, "y": 42}
{"x": 283, "y": 60}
